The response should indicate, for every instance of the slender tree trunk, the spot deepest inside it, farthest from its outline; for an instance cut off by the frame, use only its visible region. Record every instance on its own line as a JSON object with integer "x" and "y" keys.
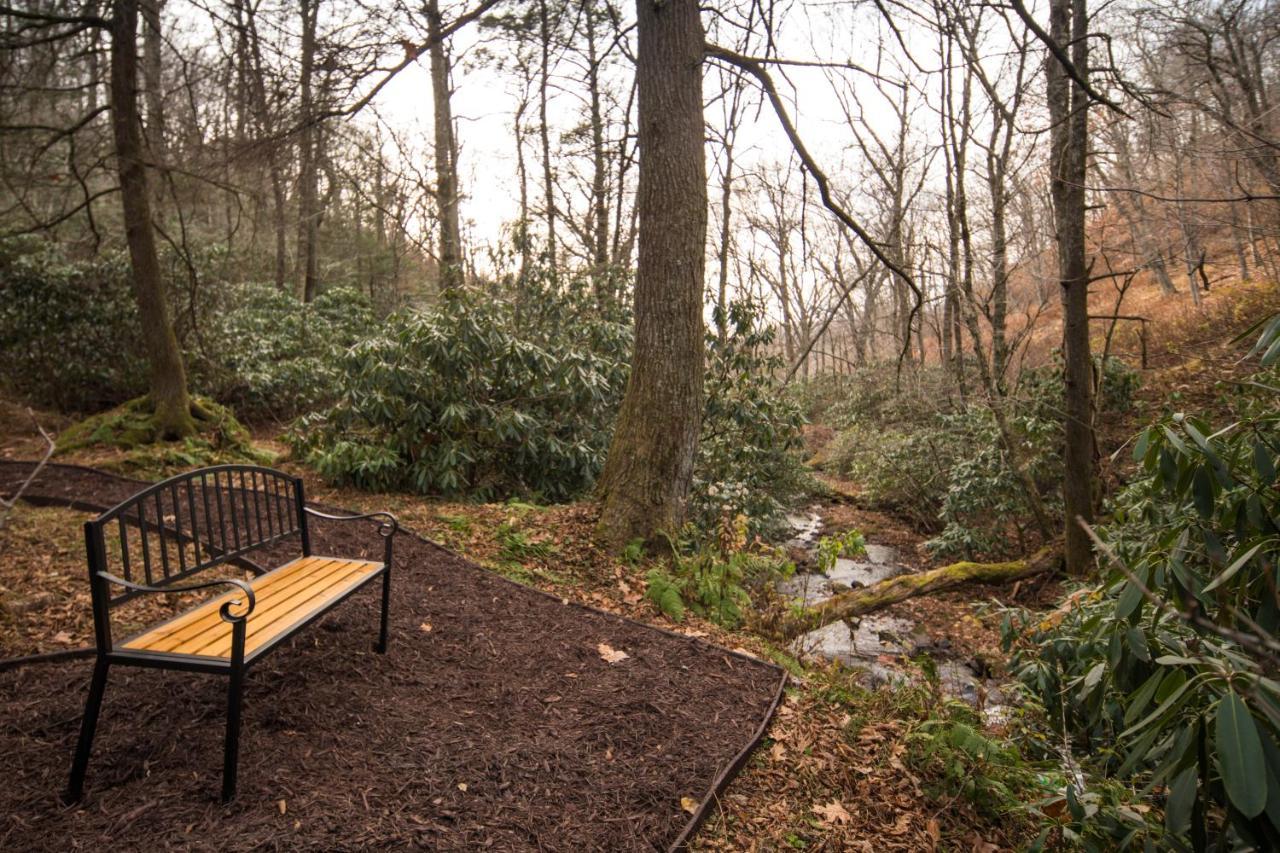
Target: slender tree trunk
{"x": 1069, "y": 127}
{"x": 646, "y": 479}
{"x": 522, "y": 225}
{"x": 726, "y": 214}
{"x": 999, "y": 269}
{"x": 169, "y": 394}
{"x": 153, "y": 81}
{"x": 548, "y": 174}
{"x": 599, "y": 164}
{"x": 1242, "y": 260}
{"x": 726, "y": 237}
{"x": 450, "y": 240}
{"x": 308, "y": 214}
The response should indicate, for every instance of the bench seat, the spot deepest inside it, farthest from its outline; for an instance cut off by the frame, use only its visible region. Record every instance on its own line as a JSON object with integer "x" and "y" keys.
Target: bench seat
{"x": 223, "y": 515}
{"x": 286, "y": 597}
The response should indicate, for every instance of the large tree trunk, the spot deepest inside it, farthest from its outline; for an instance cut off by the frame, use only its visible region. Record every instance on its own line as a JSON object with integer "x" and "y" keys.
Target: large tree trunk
{"x": 169, "y": 394}
{"x": 864, "y": 600}
{"x": 646, "y": 478}
{"x": 450, "y": 248}
{"x": 308, "y": 212}
{"x": 1069, "y": 128}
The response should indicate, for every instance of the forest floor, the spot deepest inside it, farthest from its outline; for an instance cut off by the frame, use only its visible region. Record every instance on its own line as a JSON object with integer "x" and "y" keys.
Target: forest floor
{"x": 833, "y": 772}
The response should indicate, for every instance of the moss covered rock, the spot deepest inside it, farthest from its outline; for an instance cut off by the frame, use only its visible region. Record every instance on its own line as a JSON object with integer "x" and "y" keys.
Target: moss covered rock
{"x": 125, "y": 439}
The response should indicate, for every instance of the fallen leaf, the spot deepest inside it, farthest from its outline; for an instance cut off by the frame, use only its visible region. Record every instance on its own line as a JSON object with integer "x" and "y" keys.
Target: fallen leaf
{"x": 689, "y": 804}
{"x": 63, "y": 637}
{"x": 611, "y": 655}
{"x": 935, "y": 831}
{"x": 832, "y": 813}
{"x": 778, "y": 752}
{"x": 425, "y": 627}
{"x": 902, "y": 825}
{"x": 282, "y": 806}
{"x": 462, "y": 786}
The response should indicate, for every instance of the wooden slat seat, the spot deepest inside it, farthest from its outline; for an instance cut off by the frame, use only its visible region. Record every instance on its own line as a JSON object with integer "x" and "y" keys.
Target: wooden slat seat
{"x": 286, "y": 597}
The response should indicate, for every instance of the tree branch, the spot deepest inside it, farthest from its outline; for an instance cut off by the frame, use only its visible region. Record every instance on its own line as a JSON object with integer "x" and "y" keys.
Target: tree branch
{"x": 758, "y": 71}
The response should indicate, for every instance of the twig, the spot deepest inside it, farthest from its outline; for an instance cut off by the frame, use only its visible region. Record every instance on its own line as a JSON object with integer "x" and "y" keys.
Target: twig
{"x": 7, "y": 505}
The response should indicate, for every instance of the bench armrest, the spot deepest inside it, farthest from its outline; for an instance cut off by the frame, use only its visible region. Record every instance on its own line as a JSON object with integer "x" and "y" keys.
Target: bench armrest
{"x": 387, "y": 523}
{"x": 224, "y": 611}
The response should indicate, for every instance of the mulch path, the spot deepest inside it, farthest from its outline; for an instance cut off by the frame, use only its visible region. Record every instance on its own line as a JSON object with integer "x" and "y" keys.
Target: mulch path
{"x": 492, "y": 723}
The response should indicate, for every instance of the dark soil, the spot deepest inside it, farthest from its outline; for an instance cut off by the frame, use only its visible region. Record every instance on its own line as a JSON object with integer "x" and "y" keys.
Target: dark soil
{"x": 492, "y": 723}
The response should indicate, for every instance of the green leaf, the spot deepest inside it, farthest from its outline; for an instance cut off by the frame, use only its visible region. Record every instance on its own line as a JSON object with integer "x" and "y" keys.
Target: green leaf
{"x": 1240, "y": 756}
{"x": 1128, "y": 600}
{"x": 1263, "y": 463}
{"x": 1140, "y": 698}
{"x": 1166, "y": 705}
{"x": 1202, "y": 491}
{"x": 1182, "y": 796}
{"x": 1229, "y": 572}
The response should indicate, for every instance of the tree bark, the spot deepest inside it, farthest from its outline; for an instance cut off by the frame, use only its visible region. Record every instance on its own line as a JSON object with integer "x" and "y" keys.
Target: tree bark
{"x": 646, "y": 479}
{"x": 153, "y": 77}
{"x": 1069, "y": 127}
{"x": 544, "y": 132}
{"x": 599, "y": 165}
{"x": 859, "y": 602}
{"x": 308, "y": 214}
{"x": 450, "y": 248}
{"x": 169, "y": 395}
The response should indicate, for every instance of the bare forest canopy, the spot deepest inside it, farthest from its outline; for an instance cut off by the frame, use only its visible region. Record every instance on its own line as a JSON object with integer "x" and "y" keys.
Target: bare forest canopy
{"x": 299, "y": 141}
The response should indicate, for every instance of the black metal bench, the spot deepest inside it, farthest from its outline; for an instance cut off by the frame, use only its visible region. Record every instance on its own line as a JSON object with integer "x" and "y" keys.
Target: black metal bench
{"x": 195, "y": 521}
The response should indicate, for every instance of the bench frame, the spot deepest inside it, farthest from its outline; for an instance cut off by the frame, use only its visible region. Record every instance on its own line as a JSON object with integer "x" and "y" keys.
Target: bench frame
{"x": 246, "y": 508}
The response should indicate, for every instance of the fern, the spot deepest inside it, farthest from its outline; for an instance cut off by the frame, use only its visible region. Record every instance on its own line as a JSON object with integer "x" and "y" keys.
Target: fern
{"x": 667, "y": 593}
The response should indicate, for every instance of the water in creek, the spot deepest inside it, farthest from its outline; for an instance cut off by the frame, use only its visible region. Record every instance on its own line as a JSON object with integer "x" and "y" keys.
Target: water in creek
{"x": 876, "y": 642}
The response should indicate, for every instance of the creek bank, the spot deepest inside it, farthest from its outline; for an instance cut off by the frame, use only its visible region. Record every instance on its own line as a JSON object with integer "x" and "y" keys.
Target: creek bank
{"x": 881, "y": 645}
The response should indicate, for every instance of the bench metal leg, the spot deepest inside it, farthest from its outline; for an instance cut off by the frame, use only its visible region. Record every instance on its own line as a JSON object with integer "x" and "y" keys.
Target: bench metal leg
{"x": 235, "y": 697}
{"x": 231, "y": 746}
{"x": 386, "y": 606}
{"x": 88, "y": 726}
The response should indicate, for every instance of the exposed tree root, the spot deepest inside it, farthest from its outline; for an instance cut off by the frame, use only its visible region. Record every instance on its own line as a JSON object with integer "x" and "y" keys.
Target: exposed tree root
{"x": 865, "y": 600}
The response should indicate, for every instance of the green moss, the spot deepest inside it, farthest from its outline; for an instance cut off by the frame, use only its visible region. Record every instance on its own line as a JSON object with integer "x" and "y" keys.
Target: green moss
{"x": 128, "y": 434}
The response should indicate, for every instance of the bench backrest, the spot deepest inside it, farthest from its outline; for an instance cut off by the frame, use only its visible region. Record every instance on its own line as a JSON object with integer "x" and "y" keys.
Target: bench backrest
{"x": 189, "y": 523}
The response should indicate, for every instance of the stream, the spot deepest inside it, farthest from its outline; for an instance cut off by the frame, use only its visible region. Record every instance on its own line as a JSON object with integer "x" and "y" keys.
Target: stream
{"x": 877, "y": 644}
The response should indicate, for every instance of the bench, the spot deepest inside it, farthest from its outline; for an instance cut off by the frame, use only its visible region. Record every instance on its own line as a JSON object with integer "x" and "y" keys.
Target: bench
{"x": 195, "y": 521}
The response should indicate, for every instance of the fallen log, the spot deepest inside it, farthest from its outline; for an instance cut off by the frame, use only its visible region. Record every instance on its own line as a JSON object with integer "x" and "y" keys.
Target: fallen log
{"x": 858, "y": 602}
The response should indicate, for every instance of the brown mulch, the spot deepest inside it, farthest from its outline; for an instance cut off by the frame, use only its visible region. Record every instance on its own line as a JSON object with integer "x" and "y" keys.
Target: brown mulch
{"x": 493, "y": 722}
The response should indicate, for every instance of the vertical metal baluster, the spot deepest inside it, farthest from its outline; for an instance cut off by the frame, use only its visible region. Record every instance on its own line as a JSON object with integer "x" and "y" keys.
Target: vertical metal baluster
{"x": 231, "y": 508}
{"x": 124, "y": 547}
{"x": 282, "y": 505}
{"x": 177, "y": 529}
{"x": 164, "y": 549}
{"x": 222, "y": 521}
{"x": 146, "y": 546}
{"x": 244, "y": 512}
{"x": 266, "y": 505}
{"x": 208, "y": 516}
{"x": 193, "y": 516}
{"x": 257, "y": 508}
